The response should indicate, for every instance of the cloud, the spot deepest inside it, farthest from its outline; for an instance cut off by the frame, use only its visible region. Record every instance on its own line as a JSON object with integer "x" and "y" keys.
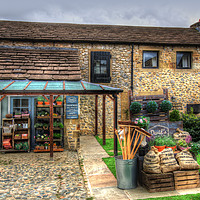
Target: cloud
{"x": 127, "y": 12}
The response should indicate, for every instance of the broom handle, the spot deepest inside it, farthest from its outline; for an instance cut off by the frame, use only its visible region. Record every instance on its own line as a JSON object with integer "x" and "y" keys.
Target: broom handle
{"x": 128, "y": 141}
{"x": 125, "y": 150}
{"x": 135, "y": 142}
{"x": 120, "y": 142}
{"x": 138, "y": 146}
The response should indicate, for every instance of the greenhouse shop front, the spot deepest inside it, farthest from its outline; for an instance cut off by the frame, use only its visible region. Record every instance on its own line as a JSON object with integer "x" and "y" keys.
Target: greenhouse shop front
{"x": 27, "y": 94}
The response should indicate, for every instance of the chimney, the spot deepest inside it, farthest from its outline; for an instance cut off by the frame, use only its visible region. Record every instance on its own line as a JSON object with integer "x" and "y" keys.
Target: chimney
{"x": 196, "y": 25}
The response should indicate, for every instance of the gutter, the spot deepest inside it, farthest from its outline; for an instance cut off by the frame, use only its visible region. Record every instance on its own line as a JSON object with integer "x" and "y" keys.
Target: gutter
{"x": 132, "y": 69}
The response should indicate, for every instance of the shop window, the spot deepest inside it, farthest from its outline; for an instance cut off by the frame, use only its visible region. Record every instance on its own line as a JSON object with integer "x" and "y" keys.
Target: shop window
{"x": 195, "y": 108}
{"x": 183, "y": 60}
{"x": 150, "y": 59}
{"x": 100, "y": 67}
{"x": 20, "y": 106}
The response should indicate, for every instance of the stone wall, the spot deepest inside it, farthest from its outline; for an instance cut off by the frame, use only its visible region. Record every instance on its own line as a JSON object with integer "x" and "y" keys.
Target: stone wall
{"x": 182, "y": 84}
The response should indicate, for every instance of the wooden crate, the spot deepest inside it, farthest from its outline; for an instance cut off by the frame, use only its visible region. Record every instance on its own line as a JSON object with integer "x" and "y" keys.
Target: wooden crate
{"x": 186, "y": 179}
{"x": 158, "y": 182}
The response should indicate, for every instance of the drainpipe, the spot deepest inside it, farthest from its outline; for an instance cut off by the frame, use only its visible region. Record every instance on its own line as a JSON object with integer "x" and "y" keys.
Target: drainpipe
{"x": 132, "y": 69}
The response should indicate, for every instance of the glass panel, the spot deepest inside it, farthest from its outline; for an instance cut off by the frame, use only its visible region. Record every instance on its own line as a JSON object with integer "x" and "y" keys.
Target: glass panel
{"x": 36, "y": 85}
{"x": 18, "y": 85}
{"x": 73, "y": 85}
{"x": 89, "y": 86}
{"x": 183, "y": 60}
{"x": 16, "y": 102}
{"x": 103, "y": 70}
{"x": 103, "y": 62}
{"x": 55, "y": 85}
{"x": 24, "y": 110}
{"x": 97, "y": 70}
{"x": 3, "y": 84}
{"x": 24, "y": 102}
{"x": 150, "y": 59}
{"x": 16, "y": 111}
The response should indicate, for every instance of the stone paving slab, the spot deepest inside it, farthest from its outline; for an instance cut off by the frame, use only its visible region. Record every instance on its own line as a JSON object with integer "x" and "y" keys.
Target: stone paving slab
{"x": 95, "y": 166}
{"x": 109, "y": 193}
{"x": 102, "y": 181}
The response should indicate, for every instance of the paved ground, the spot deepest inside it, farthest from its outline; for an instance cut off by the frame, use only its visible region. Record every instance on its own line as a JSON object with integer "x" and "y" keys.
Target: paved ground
{"x": 101, "y": 182}
{"x": 33, "y": 176}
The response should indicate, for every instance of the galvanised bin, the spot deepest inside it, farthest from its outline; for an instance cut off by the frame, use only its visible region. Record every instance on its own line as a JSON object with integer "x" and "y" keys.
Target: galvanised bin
{"x": 126, "y": 171}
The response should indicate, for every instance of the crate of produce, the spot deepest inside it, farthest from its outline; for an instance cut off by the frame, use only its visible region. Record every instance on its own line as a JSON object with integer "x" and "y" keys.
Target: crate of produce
{"x": 18, "y": 136}
{"x": 186, "y": 179}
{"x": 24, "y": 136}
{"x": 158, "y": 182}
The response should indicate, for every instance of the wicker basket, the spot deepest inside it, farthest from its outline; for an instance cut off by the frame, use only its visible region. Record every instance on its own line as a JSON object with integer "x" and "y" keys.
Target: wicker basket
{"x": 7, "y": 130}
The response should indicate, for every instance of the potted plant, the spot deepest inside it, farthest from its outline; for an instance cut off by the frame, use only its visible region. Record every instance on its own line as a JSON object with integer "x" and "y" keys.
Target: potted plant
{"x": 170, "y": 143}
{"x": 135, "y": 107}
{"x": 46, "y": 144}
{"x": 37, "y": 147}
{"x": 40, "y": 100}
{"x": 55, "y": 124}
{"x": 59, "y": 100}
{"x": 166, "y": 106}
{"x": 60, "y": 125}
{"x": 56, "y": 135}
{"x": 151, "y": 107}
{"x": 46, "y": 102}
{"x": 182, "y": 144}
{"x": 41, "y": 147}
{"x": 45, "y": 126}
{"x": 159, "y": 143}
{"x": 54, "y": 146}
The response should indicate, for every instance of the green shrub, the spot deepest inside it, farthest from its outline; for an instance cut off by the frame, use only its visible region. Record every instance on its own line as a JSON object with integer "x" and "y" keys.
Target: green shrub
{"x": 135, "y": 107}
{"x": 174, "y": 116}
{"x": 152, "y": 106}
{"x": 191, "y": 124}
{"x": 166, "y": 106}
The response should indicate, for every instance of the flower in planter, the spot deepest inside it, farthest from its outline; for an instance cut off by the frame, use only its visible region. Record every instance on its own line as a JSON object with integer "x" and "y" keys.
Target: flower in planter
{"x": 142, "y": 122}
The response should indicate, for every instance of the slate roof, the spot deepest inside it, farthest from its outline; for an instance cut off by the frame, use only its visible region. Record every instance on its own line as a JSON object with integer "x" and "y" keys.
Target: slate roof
{"x": 16, "y": 30}
{"x": 39, "y": 63}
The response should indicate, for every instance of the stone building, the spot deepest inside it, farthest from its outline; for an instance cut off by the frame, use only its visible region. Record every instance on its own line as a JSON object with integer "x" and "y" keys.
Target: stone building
{"x": 138, "y": 59}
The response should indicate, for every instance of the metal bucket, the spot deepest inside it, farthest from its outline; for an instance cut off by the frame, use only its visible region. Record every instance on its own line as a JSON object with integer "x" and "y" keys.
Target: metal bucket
{"x": 126, "y": 171}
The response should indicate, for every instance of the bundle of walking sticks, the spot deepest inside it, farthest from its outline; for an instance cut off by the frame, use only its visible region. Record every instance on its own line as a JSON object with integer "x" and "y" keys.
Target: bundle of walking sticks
{"x": 130, "y": 138}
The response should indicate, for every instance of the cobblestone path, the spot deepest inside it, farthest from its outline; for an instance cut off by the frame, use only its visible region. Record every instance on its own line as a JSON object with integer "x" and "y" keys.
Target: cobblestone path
{"x": 33, "y": 176}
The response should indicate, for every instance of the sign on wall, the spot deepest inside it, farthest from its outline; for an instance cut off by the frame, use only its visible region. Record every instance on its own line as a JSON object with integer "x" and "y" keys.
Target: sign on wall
{"x": 71, "y": 107}
{"x": 164, "y": 128}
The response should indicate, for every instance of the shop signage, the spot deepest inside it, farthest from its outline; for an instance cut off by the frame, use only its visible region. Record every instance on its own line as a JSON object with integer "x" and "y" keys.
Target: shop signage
{"x": 164, "y": 128}
{"x": 71, "y": 107}
{"x": 159, "y": 130}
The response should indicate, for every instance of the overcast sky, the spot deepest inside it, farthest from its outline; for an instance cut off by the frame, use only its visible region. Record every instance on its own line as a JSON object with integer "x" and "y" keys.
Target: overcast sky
{"x": 176, "y": 13}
